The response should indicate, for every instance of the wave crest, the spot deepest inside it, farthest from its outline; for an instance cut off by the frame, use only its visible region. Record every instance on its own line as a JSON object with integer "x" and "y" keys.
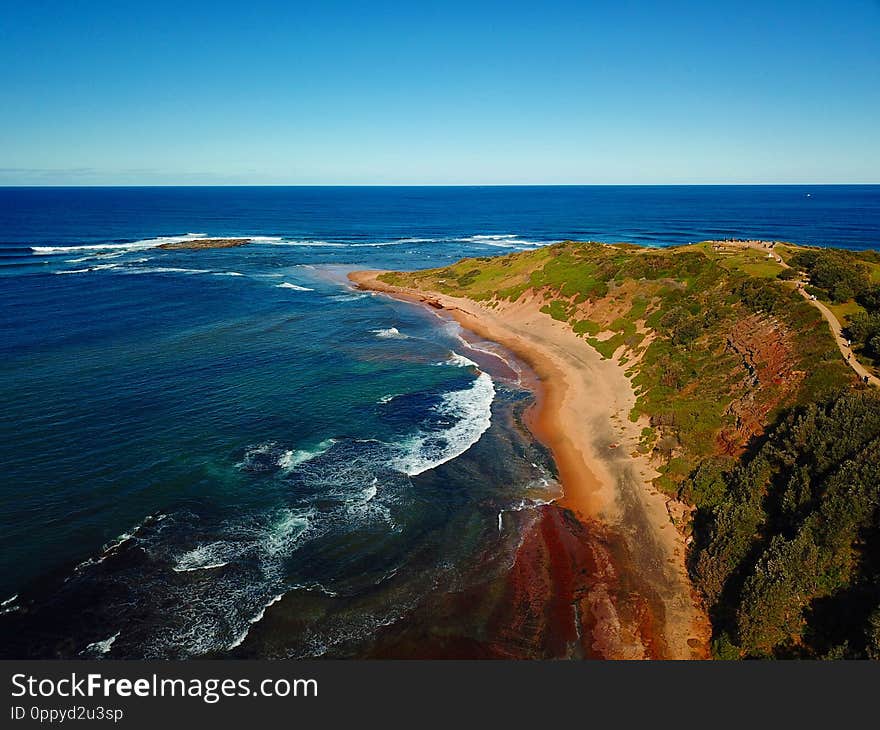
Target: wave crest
{"x": 472, "y": 410}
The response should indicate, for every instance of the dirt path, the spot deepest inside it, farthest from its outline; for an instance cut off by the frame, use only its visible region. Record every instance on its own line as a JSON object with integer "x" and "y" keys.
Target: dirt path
{"x": 836, "y": 328}
{"x": 845, "y": 349}
{"x": 837, "y": 332}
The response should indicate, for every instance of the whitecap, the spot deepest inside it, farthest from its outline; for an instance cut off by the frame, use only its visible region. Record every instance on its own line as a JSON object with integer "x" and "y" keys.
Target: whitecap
{"x": 204, "y": 557}
{"x": 165, "y": 270}
{"x": 294, "y": 457}
{"x": 459, "y": 361}
{"x": 295, "y": 287}
{"x": 331, "y": 244}
{"x": 8, "y": 606}
{"x": 391, "y": 333}
{"x": 109, "y": 548}
{"x": 287, "y": 527}
{"x": 491, "y": 237}
{"x": 370, "y": 492}
{"x": 472, "y": 411}
{"x": 133, "y": 246}
{"x": 504, "y": 240}
{"x": 256, "y": 619}
{"x": 98, "y": 267}
{"x": 227, "y": 273}
{"x": 262, "y": 457}
{"x": 102, "y": 647}
{"x": 380, "y": 243}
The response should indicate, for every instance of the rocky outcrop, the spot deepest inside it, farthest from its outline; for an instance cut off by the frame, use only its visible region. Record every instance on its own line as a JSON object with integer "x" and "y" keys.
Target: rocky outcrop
{"x": 200, "y": 243}
{"x": 766, "y": 349}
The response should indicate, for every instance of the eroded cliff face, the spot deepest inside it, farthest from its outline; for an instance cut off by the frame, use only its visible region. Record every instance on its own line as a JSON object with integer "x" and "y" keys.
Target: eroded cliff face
{"x": 769, "y": 378}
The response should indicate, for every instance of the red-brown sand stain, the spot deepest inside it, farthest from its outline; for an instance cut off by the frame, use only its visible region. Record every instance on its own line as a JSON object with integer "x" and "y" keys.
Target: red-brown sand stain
{"x": 561, "y": 599}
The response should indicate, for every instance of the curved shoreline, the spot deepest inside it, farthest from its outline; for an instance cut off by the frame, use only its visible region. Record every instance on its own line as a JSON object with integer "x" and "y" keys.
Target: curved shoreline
{"x": 582, "y": 416}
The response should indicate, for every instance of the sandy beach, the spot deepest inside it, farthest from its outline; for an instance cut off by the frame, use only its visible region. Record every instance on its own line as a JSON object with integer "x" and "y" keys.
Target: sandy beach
{"x": 582, "y": 416}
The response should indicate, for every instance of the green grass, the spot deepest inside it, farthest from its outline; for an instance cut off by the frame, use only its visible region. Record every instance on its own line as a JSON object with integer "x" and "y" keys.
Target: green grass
{"x": 844, "y": 310}
{"x": 557, "y": 309}
{"x": 689, "y": 298}
{"x": 586, "y": 327}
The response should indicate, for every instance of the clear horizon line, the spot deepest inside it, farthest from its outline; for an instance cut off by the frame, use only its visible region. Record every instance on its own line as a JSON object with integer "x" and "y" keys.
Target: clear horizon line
{"x": 442, "y": 185}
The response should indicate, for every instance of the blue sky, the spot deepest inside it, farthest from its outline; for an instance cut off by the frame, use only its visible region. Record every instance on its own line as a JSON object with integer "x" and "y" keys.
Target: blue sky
{"x": 439, "y": 93}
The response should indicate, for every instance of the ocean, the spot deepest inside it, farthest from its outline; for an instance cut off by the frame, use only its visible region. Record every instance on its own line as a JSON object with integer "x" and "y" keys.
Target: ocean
{"x": 231, "y": 452}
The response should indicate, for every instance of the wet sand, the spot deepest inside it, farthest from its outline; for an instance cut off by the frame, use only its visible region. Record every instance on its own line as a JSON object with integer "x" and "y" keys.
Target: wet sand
{"x": 613, "y": 580}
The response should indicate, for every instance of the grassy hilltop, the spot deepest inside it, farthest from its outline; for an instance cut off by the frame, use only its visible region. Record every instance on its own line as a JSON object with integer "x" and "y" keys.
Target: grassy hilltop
{"x": 751, "y": 415}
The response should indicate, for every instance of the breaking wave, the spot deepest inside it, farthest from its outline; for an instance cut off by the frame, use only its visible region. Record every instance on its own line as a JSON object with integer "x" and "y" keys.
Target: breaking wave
{"x": 164, "y": 270}
{"x": 294, "y": 457}
{"x": 471, "y": 413}
{"x": 459, "y": 361}
{"x": 100, "y": 648}
{"x": 391, "y": 333}
{"x": 205, "y": 557}
{"x": 122, "y": 247}
{"x": 271, "y": 456}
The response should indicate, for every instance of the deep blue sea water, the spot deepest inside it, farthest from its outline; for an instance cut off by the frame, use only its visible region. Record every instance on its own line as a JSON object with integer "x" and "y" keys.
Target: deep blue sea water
{"x": 185, "y": 436}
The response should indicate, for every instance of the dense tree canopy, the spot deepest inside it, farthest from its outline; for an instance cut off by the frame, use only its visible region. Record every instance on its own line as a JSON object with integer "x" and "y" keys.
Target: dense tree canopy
{"x": 795, "y": 543}
{"x": 838, "y": 273}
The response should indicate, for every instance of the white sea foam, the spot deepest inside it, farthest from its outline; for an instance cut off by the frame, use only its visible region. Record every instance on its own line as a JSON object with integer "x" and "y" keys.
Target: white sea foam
{"x": 284, "y": 530}
{"x": 8, "y": 606}
{"x": 339, "y": 244}
{"x": 487, "y": 348}
{"x": 353, "y": 297}
{"x": 330, "y": 244}
{"x": 295, "y": 287}
{"x": 387, "y": 398}
{"x": 472, "y": 411}
{"x": 294, "y": 457}
{"x": 109, "y": 250}
{"x": 364, "y": 506}
{"x": 391, "y": 333}
{"x": 96, "y": 257}
{"x": 164, "y": 270}
{"x": 133, "y": 246}
{"x": 204, "y": 557}
{"x": 227, "y": 273}
{"x": 371, "y": 491}
{"x": 270, "y": 455}
{"x": 491, "y": 237}
{"x": 459, "y": 361}
{"x": 504, "y": 240}
{"x": 256, "y": 619}
{"x": 102, "y": 647}
{"x": 529, "y": 503}
{"x": 99, "y": 267}
{"x": 381, "y": 243}
{"x": 109, "y": 548}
